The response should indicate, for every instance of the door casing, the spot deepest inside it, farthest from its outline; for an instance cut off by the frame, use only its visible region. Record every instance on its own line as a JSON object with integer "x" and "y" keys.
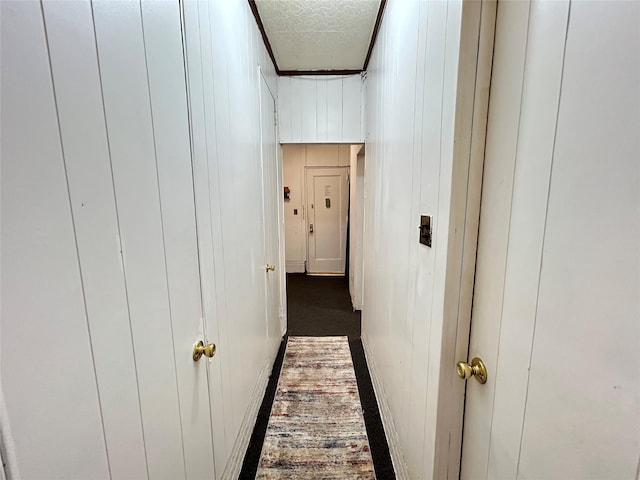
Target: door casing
{"x": 472, "y": 93}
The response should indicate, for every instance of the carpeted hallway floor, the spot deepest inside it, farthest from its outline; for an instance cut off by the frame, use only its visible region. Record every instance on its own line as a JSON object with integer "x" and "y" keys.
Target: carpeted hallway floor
{"x": 321, "y": 306}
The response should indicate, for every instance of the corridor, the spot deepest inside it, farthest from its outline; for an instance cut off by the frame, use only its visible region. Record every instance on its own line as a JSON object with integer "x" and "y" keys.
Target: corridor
{"x": 320, "y": 307}
{"x": 170, "y": 167}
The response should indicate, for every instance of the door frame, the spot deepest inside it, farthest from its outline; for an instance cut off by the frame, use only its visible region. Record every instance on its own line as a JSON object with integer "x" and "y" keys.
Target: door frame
{"x": 471, "y": 118}
{"x": 306, "y": 216}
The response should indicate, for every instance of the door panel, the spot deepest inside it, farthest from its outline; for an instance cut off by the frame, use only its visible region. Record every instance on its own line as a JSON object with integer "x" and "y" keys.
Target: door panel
{"x": 327, "y": 207}
{"x": 497, "y": 190}
{"x": 271, "y": 204}
{"x": 167, "y": 90}
{"x": 121, "y": 51}
{"x": 549, "y": 294}
{"x": 98, "y": 143}
{"x": 208, "y": 212}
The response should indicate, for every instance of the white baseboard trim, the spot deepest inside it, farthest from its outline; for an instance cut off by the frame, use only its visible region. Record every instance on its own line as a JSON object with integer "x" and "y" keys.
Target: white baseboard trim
{"x": 294, "y": 266}
{"x": 399, "y": 464}
{"x": 234, "y": 463}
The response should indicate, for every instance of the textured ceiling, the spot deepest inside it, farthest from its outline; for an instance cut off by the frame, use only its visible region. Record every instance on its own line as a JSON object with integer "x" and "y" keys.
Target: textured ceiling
{"x": 319, "y": 34}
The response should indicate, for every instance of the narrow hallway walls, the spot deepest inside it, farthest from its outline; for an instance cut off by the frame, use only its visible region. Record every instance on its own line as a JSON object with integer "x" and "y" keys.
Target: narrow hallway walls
{"x": 321, "y": 109}
{"x": 225, "y": 61}
{"x": 131, "y": 181}
{"x": 416, "y": 165}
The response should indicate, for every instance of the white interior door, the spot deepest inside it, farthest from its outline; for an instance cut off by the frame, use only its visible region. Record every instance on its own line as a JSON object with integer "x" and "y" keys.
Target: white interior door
{"x": 556, "y": 306}
{"x": 327, "y": 211}
{"x": 272, "y": 223}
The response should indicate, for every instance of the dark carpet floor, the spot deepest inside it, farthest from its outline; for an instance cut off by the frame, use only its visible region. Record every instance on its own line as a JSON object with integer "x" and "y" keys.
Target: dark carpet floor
{"x": 318, "y": 307}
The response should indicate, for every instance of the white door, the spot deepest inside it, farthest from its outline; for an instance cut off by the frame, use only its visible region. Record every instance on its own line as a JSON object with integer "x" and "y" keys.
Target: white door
{"x": 327, "y": 211}
{"x": 271, "y": 204}
{"x": 99, "y": 252}
{"x": 556, "y": 314}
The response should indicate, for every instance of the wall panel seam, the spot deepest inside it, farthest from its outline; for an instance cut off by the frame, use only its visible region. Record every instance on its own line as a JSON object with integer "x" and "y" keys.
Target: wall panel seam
{"x": 164, "y": 246}
{"x": 75, "y": 235}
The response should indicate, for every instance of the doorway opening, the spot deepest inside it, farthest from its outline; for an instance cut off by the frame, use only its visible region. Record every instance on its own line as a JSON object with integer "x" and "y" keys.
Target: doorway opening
{"x": 324, "y": 228}
{"x": 323, "y": 191}
{"x": 323, "y": 216}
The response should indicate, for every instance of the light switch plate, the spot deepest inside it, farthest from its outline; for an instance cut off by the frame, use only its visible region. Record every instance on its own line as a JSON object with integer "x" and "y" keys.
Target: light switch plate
{"x": 425, "y": 230}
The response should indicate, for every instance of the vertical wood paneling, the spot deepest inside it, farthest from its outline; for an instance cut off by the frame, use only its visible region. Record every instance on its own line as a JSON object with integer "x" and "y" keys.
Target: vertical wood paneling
{"x": 321, "y": 112}
{"x": 218, "y": 146}
{"x": 111, "y": 257}
{"x": 165, "y": 65}
{"x": 295, "y": 135}
{"x": 271, "y": 175}
{"x": 418, "y": 299}
{"x": 83, "y": 131}
{"x": 285, "y": 110}
{"x": 127, "y": 105}
{"x": 244, "y": 250}
{"x": 211, "y": 293}
{"x": 223, "y": 50}
{"x": 412, "y": 106}
{"x": 321, "y": 109}
{"x": 351, "y": 108}
{"x": 48, "y": 376}
{"x": 565, "y": 294}
{"x": 334, "y": 108}
{"x": 497, "y": 195}
{"x": 308, "y": 106}
{"x": 539, "y": 108}
{"x": 588, "y": 302}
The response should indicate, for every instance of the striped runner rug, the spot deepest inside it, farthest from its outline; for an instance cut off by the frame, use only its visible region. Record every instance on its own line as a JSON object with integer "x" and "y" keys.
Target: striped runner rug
{"x": 316, "y": 429}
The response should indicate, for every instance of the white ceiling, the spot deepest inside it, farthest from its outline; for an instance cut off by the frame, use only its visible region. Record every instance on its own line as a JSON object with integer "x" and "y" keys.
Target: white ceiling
{"x": 319, "y": 34}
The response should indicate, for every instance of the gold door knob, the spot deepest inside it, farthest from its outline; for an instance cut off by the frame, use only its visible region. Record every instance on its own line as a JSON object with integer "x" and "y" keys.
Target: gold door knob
{"x": 477, "y": 369}
{"x": 271, "y": 268}
{"x": 201, "y": 349}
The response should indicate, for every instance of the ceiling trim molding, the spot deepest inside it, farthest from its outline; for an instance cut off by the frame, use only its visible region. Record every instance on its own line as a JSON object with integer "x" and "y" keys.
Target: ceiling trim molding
{"x": 374, "y": 35}
{"x": 292, "y": 73}
{"x": 265, "y": 39}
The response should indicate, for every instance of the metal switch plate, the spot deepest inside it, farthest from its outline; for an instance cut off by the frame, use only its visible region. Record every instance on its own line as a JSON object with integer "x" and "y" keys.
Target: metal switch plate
{"x": 425, "y": 230}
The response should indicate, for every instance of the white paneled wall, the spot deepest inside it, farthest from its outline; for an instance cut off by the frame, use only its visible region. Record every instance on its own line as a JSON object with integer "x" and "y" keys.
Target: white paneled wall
{"x": 356, "y": 224}
{"x": 125, "y": 125}
{"x": 321, "y": 109}
{"x": 44, "y": 325}
{"x": 225, "y": 61}
{"x": 295, "y": 159}
{"x": 414, "y": 166}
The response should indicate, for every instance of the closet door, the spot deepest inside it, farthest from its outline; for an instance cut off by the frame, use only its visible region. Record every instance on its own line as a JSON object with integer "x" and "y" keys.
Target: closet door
{"x": 99, "y": 250}
{"x": 142, "y": 68}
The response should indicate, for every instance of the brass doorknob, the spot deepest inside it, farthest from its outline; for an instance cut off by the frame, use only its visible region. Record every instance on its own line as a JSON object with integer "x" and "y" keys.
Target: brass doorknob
{"x": 477, "y": 369}
{"x": 200, "y": 349}
{"x": 271, "y": 268}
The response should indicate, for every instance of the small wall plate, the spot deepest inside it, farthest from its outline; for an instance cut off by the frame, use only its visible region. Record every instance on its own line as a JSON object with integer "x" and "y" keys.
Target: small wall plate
{"x": 425, "y": 230}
